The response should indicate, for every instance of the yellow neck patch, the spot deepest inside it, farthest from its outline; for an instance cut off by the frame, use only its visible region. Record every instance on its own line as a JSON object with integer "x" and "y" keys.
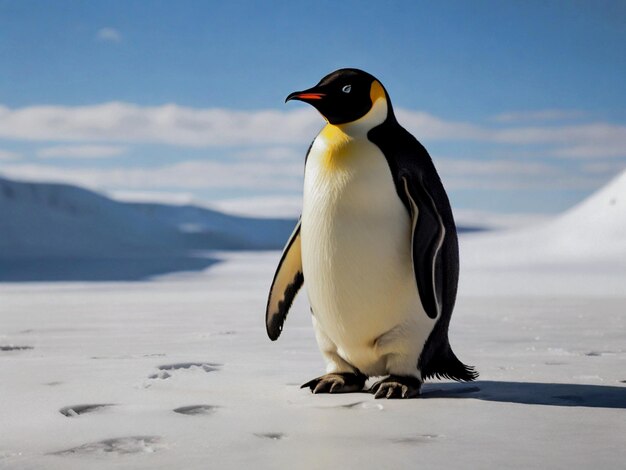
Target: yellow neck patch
{"x": 377, "y": 91}
{"x": 336, "y": 141}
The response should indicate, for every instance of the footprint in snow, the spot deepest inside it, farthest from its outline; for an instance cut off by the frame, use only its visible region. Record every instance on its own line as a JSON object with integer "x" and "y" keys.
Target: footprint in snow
{"x": 196, "y": 410}
{"x": 601, "y": 353}
{"x": 117, "y": 446}
{"x": 160, "y": 375}
{"x": 165, "y": 371}
{"x": 76, "y": 410}
{"x": 593, "y": 354}
{"x": 273, "y": 436}
{"x": 11, "y": 347}
{"x": 206, "y": 366}
{"x": 416, "y": 440}
{"x": 361, "y": 405}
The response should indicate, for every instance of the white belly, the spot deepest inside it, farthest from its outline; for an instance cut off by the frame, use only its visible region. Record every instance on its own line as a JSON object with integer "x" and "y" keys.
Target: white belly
{"x": 356, "y": 256}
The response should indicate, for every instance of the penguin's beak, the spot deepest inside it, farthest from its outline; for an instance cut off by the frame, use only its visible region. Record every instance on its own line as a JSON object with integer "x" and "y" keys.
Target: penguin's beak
{"x": 308, "y": 96}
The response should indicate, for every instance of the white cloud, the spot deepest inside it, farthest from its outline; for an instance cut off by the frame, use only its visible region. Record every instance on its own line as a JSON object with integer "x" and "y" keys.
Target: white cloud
{"x": 167, "y": 124}
{"x": 466, "y": 167}
{"x": 496, "y": 220}
{"x": 118, "y": 122}
{"x": 262, "y": 206}
{"x": 109, "y": 35}
{"x": 607, "y": 168}
{"x": 269, "y": 148}
{"x": 272, "y": 153}
{"x": 9, "y": 155}
{"x": 163, "y": 197}
{"x": 562, "y": 181}
{"x": 251, "y": 175}
{"x": 504, "y": 175}
{"x": 598, "y": 150}
{"x": 588, "y": 140}
{"x": 427, "y": 126}
{"x": 541, "y": 115}
{"x": 186, "y": 175}
{"x": 588, "y": 134}
{"x": 611, "y": 137}
{"x": 82, "y": 151}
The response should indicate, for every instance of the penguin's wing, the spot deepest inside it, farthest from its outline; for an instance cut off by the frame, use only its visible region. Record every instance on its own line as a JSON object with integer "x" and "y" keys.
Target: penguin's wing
{"x": 286, "y": 284}
{"x": 427, "y": 237}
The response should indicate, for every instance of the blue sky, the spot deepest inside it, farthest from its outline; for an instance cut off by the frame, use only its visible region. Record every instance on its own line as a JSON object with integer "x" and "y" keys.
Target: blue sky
{"x": 521, "y": 103}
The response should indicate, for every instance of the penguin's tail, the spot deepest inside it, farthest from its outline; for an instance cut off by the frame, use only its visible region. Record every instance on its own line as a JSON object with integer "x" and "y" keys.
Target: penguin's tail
{"x": 447, "y": 366}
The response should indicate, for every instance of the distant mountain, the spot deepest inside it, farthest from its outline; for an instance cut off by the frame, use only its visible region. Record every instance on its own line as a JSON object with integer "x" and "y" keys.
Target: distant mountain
{"x": 54, "y": 220}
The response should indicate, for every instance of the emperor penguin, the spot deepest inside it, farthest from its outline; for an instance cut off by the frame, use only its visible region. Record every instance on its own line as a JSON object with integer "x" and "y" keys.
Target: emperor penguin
{"x": 376, "y": 245}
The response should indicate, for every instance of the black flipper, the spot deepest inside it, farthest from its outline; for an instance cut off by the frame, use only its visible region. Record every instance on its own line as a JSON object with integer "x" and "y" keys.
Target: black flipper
{"x": 435, "y": 282}
{"x": 427, "y": 237}
{"x": 434, "y": 242}
{"x": 288, "y": 280}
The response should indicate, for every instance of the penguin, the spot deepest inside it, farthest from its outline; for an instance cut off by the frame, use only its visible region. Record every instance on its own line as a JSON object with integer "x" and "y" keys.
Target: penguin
{"x": 377, "y": 245}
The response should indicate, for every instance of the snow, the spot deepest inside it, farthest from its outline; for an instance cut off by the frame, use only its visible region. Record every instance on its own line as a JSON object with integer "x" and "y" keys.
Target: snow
{"x": 177, "y": 371}
{"x": 582, "y": 252}
{"x": 551, "y": 392}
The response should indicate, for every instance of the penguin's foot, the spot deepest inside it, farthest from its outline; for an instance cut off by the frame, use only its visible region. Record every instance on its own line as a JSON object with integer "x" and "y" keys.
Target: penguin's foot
{"x": 397, "y": 386}
{"x": 339, "y": 382}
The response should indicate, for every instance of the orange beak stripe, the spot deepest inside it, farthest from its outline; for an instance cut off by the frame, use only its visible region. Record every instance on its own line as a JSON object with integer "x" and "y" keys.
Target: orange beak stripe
{"x": 310, "y": 96}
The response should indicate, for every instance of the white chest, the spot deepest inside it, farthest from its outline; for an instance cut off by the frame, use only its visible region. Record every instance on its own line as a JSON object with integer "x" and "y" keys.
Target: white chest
{"x": 356, "y": 242}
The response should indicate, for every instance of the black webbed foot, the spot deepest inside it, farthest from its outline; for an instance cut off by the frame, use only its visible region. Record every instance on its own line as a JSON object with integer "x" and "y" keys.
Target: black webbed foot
{"x": 397, "y": 386}
{"x": 339, "y": 382}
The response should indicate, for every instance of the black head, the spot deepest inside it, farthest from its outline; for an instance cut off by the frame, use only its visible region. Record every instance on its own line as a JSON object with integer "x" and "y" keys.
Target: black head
{"x": 342, "y": 96}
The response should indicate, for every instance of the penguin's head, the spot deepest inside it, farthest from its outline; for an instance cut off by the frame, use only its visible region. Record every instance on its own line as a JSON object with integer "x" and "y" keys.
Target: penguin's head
{"x": 344, "y": 96}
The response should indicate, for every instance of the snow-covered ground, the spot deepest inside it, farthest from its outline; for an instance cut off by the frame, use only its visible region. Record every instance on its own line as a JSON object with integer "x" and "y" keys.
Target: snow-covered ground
{"x": 180, "y": 374}
{"x": 177, "y": 372}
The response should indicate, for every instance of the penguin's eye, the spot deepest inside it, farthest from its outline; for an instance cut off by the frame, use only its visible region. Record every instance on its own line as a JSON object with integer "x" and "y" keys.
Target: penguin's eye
{"x": 347, "y": 88}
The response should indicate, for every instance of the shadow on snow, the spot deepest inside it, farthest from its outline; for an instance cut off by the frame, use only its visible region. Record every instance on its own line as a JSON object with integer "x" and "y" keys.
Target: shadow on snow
{"x": 528, "y": 393}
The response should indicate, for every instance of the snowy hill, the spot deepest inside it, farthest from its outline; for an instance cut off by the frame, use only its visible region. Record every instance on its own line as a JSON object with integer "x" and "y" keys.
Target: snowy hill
{"x": 596, "y": 227}
{"x": 55, "y": 219}
{"x": 592, "y": 231}
{"x": 590, "y": 238}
